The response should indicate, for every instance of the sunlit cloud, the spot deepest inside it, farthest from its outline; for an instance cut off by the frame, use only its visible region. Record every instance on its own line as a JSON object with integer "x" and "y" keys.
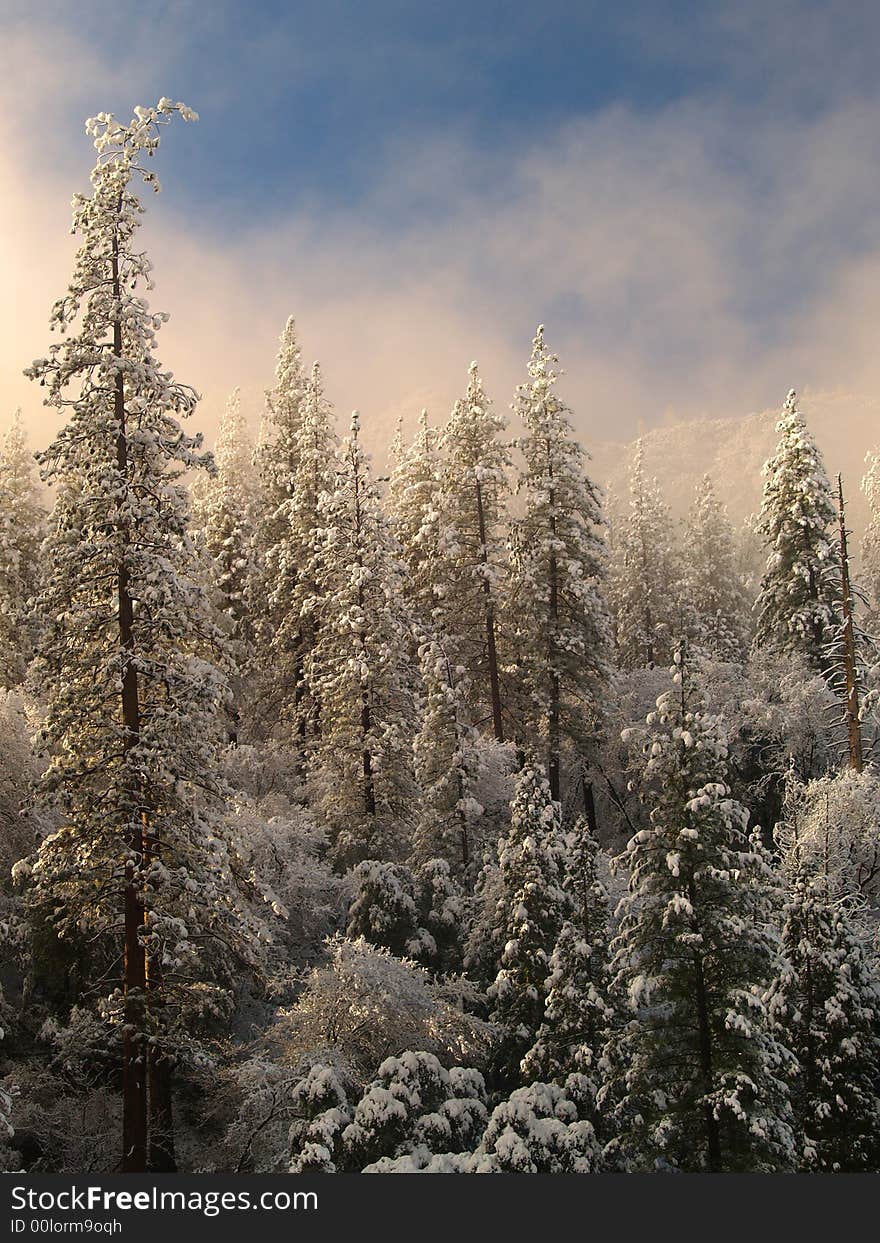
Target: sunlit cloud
{"x": 692, "y": 260}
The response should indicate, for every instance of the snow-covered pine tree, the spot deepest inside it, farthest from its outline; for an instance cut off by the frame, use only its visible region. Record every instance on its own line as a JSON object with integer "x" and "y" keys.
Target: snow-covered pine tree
{"x": 644, "y": 575}
{"x": 530, "y": 907}
{"x": 413, "y": 1108}
{"x": 224, "y": 510}
{"x": 713, "y": 591}
{"x": 361, "y": 761}
{"x": 828, "y": 997}
{"x": 411, "y": 505}
{"x": 796, "y": 607}
{"x": 697, "y": 1075}
{"x": 277, "y": 456}
{"x": 137, "y": 864}
{"x": 561, "y": 623}
{"x": 870, "y": 565}
{"x": 22, "y": 526}
{"x": 471, "y": 536}
{"x": 295, "y": 596}
{"x": 578, "y": 1012}
{"x": 538, "y": 1129}
{"x": 446, "y": 759}
{"x": 276, "y": 459}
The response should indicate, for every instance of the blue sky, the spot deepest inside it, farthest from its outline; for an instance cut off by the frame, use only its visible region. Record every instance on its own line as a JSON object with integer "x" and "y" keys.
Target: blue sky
{"x": 305, "y": 99}
{"x": 686, "y": 193}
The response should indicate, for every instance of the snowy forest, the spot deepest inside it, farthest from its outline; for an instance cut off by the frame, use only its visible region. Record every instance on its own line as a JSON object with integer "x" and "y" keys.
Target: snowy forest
{"x": 457, "y": 818}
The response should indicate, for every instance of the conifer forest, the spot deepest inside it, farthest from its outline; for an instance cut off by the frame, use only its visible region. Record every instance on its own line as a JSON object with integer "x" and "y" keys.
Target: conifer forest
{"x": 451, "y": 814}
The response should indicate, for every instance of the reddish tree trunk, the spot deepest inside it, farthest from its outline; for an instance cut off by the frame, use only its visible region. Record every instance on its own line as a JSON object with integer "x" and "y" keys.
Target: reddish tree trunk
{"x": 134, "y": 1084}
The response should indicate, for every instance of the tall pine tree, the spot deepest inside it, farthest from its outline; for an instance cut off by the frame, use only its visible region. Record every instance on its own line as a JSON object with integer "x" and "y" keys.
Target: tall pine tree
{"x": 360, "y": 671}
{"x": 295, "y": 595}
{"x": 829, "y": 998}
{"x": 714, "y": 595}
{"x": 578, "y": 1012}
{"x": 224, "y": 508}
{"x": 530, "y": 906}
{"x": 562, "y": 628}
{"x": 697, "y": 1074}
{"x": 412, "y": 510}
{"x": 138, "y": 864}
{"x": 446, "y": 759}
{"x": 471, "y": 518}
{"x": 796, "y": 606}
{"x": 644, "y": 578}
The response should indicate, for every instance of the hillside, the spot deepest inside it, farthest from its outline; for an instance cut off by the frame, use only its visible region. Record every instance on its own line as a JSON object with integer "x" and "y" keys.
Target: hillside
{"x": 733, "y": 451}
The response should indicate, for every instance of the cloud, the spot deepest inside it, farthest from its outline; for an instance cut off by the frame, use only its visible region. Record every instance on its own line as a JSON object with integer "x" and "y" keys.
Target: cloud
{"x": 698, "y": 257}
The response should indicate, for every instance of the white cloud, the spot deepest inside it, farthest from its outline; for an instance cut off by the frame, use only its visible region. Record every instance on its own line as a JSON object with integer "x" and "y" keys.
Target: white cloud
{"x": 700, "y": 259}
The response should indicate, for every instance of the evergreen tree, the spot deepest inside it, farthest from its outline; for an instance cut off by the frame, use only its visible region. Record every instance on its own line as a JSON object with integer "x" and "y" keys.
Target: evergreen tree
{"x": 295, "y": 598}
{"x": 446, "y": 759}
{"x": 530, "y": 907}
{"x": 713, "y": 591}
{"x": 412, "y": 501}
{"x": 278, "y": 454}
{"x": 829, "y": 1004}
{"x": 413, "y": 1106}
{"x": 224, "y": 508}
{"x": 697, "y": 1074}
{"x": 385, "y": 908}
{"x": 796, "y": 606}
{"x": 359, "y": 670}
{"x": 138, "y": 863}
{"x": 562, "y": 630}
{"x": 471, "y": 522}
{"x": 276, "y": 459}
{"x": 578, "y": 1011}
{"x": 649, "y": 618}
{"x": 538, "y": 1129}
{"x": 22, "y": 523}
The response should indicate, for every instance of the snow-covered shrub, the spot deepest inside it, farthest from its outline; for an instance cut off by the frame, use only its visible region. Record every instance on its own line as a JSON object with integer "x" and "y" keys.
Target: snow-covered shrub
{"x": 270, "y": 772}
{"x": 838, "y": 828}
{"x": 443, "y": 911}
{"x": 539, "y": 1129}
{"x": 417, "y": 913}
{"x": 384, "y": 911}
{"x": 413, "y": 1105}
{"x": 365, "y": 1004}
{"x": 284, "y": 850}
{"x": 254, "y": 1099}
{"x": 827, "y": 1000}
{"x": 66, "y": 1117}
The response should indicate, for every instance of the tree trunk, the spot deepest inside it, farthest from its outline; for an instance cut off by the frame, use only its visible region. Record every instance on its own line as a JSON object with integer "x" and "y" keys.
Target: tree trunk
{"x": 160, "y": 1077}
{"x": 134, "y": 1085}
{"x": 491, "y": 651}
{"x": 589, "y": 805}
{"x": 159, "y": 1065}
